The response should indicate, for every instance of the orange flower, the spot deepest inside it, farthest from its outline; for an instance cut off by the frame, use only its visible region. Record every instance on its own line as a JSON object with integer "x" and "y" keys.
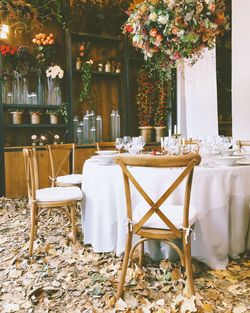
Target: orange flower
{"x": 153, "y": 32}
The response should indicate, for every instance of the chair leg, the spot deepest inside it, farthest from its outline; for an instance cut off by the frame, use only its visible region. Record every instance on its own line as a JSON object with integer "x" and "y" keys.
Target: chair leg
{"x": 141, "y": 254}
{"x": 36, "y": 223}
{"x": 124, "y": 265}
{"x": 32, "y": 228}
{"x": 73, "y": 222}
{"x": 188, "y": 268}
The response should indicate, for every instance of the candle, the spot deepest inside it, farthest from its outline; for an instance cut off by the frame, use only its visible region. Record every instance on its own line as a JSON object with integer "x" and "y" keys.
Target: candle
{"x": 162, "y": 143}
{"x": 175, "y": 129}
{"x": 178, "y": 129}
{"x": 169, "y": 133}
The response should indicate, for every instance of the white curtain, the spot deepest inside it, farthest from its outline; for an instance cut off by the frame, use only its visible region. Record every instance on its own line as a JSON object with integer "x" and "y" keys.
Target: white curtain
{"x": 240, "y": 69}
{"x": 197, "y": 97}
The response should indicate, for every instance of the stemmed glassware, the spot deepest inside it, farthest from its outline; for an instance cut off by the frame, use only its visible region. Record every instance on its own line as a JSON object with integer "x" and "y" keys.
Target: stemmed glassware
{"x": 126, "y": 142}
{"x": 119, "y": 144}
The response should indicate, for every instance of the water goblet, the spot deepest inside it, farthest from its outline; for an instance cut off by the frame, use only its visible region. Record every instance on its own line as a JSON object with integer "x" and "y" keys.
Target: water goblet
{"x": 126, "y": 142}
{"x": 119, "y": 144}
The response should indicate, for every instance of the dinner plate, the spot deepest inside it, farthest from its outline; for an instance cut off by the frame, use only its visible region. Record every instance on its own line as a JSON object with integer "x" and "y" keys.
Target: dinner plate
{"x": 106, "y": 152}
{"x": 243, "y": 162}
{"x": 227, "y": 161}
{"x": 103, "y": 158}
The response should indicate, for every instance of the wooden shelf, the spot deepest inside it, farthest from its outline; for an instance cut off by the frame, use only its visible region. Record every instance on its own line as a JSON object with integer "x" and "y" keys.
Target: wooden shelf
{"x": 36, "y": 126}
{"x": 95, "y": 36}
{"x": 98, "y": 73}
{"x": 30, "y": 106}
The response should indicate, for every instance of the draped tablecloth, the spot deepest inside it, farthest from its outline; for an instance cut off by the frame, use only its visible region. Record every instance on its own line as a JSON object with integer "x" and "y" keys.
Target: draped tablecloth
{"x": 220, "y": 195}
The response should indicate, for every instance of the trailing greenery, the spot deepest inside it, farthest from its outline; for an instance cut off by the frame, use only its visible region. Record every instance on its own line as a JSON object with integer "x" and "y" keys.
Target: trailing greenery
{"x": 86, "y": 77}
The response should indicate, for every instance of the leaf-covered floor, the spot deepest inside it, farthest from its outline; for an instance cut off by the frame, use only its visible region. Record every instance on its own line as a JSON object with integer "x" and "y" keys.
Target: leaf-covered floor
{"x": 62, "y": 277}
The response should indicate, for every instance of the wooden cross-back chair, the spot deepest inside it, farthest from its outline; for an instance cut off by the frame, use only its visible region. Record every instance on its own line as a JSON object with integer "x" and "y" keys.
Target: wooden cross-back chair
{"x": 242, "y": 143}
{"x": 159, "y": 220}
{"x": 47, "y": 198}
{"x": 62, "y": 162}
{"x": 105, "y": 145}
{"x": 193, "y": 143}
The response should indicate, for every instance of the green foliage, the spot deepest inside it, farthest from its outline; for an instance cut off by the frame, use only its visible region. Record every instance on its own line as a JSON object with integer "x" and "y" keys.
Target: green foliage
{"x": 86, "y": 77}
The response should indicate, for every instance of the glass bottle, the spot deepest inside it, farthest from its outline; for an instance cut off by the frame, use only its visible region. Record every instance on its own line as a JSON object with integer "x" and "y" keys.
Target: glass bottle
{"x": 117, "y": 125}
{"x": 86, "y": 129}
{"x": 82, "y": 131}
{"x": 112, "y": 123}
{"x": 92, "y": 135}
{"x": 40, "y": 89}
{"x": 16, "y": 89}
{"x": 98, "y": 128}
{"x": 75, "y": 126}
{"x": 25, "y": 99}
{"x": 79, "y": 135}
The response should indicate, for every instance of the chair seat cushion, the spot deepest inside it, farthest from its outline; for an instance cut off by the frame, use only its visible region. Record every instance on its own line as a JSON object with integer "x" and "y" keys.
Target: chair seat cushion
{"x": 173, "y": 212}
{"x": 73, "y": 179}
{"x": 58, "y": 194}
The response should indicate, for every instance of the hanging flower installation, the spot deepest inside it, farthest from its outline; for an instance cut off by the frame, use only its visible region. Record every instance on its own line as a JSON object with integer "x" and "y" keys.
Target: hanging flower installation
{"x": 170, "y": 31}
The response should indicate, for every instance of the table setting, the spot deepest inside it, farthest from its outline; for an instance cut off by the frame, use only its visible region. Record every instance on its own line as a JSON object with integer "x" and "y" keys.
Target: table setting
{"x": 220, "y": 194}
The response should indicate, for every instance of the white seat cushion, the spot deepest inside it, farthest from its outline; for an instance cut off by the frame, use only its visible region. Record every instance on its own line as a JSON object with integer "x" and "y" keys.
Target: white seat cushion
{"x": 173, "y": 212}
{"x": 73, "y": 179}
{"x": 58, "y": 194}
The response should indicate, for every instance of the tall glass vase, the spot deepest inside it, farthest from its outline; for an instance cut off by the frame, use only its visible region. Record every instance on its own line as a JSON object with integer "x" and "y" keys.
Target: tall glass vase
{"x": 53, "y": 92}
{"x": 40, "y": 89}
{"x": 16, "y": 89}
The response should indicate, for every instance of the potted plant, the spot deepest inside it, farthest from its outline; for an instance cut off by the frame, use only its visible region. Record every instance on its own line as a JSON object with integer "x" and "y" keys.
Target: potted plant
{"x": 35, "y": 116}
{"x": 17, "y": 116}
{"x": 56, "y": 114}
{"x": 145, "y": 101}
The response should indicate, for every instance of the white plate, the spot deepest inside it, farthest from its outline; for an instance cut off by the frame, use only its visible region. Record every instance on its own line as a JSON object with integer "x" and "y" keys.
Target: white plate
{"x": 106, "y": 152}
{"x": 103, "y": 158}
{"x": 243, "y": 162}
{"x": 245, "y": 155}
{"x": 227, "y": 161}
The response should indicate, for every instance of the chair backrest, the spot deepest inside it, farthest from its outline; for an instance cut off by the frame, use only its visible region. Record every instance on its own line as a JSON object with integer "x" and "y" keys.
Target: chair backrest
{"x": 62, "y": 159}
{"x": 105, "y": 145}
{"x": 187, "y": 162}
{"x": 242, "y": 143}
{"x": 193, "y": 143}
{"x": 31, "y": 172}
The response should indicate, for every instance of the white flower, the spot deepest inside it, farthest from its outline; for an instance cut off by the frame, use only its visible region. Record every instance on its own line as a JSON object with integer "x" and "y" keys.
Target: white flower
{"x": 56, "y": 137}
{"x": 34, "y": 137}
{"x": 43, "y": 138}
{"x": 54, "y": 72}
{"x": 152, "y": 16}
{"x": 163, "y": 19}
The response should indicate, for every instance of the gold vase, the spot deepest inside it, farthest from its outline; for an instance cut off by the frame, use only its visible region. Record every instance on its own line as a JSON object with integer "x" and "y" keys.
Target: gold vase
{"x": 146, "y": 132}
{"x": 159, "y": 132}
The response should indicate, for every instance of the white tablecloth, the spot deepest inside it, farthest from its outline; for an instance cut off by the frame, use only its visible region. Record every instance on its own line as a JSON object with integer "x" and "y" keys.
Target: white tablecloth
{"x": 221, "y": 197}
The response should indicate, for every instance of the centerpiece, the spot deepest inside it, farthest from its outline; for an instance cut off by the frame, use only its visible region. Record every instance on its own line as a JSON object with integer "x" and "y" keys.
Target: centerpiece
{"x": 170, "y": 31}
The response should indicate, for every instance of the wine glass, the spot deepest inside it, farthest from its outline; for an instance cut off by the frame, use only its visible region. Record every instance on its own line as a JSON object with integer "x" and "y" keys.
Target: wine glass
{"x": 119, "y": 144}
{"x": 126, "y": 142}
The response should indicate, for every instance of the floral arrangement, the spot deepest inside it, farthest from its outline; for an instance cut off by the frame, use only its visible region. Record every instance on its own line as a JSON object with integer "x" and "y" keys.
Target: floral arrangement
{"x": 54, "y": 72}
{"x": 175, "y": 29}
{"x": 44, "y": 49}
{"x": 6, "y": 50}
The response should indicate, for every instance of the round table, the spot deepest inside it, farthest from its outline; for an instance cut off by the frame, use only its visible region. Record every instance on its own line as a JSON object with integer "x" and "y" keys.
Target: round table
{"x": 221, "y": 196}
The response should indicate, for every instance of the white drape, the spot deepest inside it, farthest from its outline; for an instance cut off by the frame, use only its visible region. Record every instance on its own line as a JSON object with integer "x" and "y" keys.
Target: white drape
{"x": 197, "y": 97}
{"x": 240, "y": 69}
